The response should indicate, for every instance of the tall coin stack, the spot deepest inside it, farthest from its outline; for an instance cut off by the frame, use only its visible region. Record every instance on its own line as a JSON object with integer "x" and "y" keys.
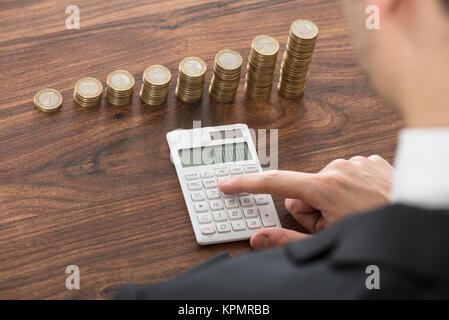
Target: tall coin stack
{"x": 88, "y": 92}
{"x": 261, "y": 67}
{"x": 155, "y": 85}
{"x": 226, "y": 78}
{"x": 191, "y": 77}
{"x": 297, "y": 58}
{"x": 120, "y": 87}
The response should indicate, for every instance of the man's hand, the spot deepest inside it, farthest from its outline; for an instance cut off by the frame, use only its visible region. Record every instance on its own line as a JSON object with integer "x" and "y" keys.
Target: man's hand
{"x": 342, "y": 188}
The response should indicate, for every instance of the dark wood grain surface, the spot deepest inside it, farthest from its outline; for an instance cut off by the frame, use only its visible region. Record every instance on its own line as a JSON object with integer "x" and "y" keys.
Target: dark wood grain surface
{"x": 95, "y": 187}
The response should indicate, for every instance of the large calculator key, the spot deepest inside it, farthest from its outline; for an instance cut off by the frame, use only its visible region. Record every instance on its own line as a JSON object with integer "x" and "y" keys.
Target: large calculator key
{"x": 251, "y": 169}
{"x": 201, "y": 207}
{"x": 210, "y": 183}
{"x": 194, "y": 185}
{"x": 231, "y": 203}
{"x": 197, "y": 196}
{"x": 209, "y": 229}
{"x": 235, "y": 214}
{"x": 267, "y": 216}
{"x": 223, "y": 227}
{"x": 253, "y": 223}
{"x": 204, "y": 218}
{"x": 216, "y": 204}
{"x": 238, "y": 225}
{"x": 221, "y": 172}
{"x": 207, "y": 174}
{"x": 236, "y": 171}
{"x": 250, "y": 212}
{"x": 247, "y": 201}
{"x": 192, "y": 176}
{"x": 213, "y": 194}
{"x": 261, "y": 199}
{"x": 219, "y": 216}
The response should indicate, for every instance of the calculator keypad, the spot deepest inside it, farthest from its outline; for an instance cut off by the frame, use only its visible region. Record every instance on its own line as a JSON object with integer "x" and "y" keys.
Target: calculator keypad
{"x": 218, "y": 212}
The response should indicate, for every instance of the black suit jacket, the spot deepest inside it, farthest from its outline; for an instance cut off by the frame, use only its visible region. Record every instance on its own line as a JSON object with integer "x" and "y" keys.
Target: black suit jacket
{"x": 410, "y": 246}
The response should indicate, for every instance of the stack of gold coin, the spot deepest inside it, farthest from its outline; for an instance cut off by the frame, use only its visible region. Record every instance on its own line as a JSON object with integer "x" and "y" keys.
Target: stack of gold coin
{"x": 226, "y": 78}
{"x": 297, "y": 58}
{"x": 120, "y": 87}
{"x": 155, "y": 85}
{"x": 88, "y": 92}
{"x": 261, "y": 67}
{"x": 190, "y": 86}
{"x": 48, "y": 100}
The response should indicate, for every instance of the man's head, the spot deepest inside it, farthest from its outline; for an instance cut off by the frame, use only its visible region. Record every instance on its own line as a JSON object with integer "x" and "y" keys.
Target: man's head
{"x": 407, "y": 59}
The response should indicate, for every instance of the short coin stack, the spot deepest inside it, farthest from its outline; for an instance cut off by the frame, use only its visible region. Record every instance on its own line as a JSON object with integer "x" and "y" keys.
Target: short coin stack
{"x": 120, "y": 87}
{"x": 226, "y": 78}
{"x": 191, "y": 77}
{"x": 155, "y": 85}
{"x": 261, "y": 67}
{"x": 48, "y": 100}
{"x": 297, "y": 57}
{"x": 88, "y": 92}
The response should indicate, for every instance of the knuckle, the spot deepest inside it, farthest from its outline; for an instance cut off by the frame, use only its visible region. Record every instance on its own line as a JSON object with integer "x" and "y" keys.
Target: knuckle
{"x": 331, "y": 179}
{"x": 376, "y": 157}
{"x": 358, "y": 159}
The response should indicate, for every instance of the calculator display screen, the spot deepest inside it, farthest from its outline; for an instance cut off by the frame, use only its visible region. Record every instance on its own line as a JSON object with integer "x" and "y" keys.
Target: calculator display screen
{"x": 223, "y": 153}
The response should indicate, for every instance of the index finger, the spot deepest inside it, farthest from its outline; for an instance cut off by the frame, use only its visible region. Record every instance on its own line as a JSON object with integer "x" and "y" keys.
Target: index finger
{"x": 288, "y": 184}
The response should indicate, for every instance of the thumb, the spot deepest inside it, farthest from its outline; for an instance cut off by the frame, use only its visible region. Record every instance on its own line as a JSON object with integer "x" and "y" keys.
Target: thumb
{"x": 274, "y": 237}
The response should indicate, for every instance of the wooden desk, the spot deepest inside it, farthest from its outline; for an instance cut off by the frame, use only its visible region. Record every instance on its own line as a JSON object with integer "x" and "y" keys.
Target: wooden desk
{"x": 95, "y": 187}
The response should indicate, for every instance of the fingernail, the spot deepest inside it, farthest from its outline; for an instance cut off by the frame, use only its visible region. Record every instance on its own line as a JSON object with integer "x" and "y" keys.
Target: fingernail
{"x": 260, "y": 242}
{"x": 225, "y": 182}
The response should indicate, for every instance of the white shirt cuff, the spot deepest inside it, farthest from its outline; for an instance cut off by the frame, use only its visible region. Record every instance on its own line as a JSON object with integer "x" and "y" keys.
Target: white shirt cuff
{"x": 421, "y": 178}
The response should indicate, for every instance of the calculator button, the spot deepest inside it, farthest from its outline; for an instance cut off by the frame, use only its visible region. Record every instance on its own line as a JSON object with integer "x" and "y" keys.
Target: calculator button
{"x": 221, "y": 172}
{"x": 223, "y": 227}
{"x": 261, "y": 199}
{"x": 204, "y": 218}
{"x": 210, "y": 183}
{"x": 235, "y": 214}
{"x": 216, "y": 204}
{"x": 213, "y": 194}
{"x": 197, "y": 196}
{"x": 247, "y": 201}
{"x": 267, "y": 216}
{"x": 194, "y": 185}
{"x": 231, "y": 203}
{"x": 201, "y": 207}
{"x": 238, "y": 225}
{"x": 250, "y": 212}
{"x": 209, "y": 229}
{"x": 244, "y": 194}
{"x": 207, "y": 174}
{"x": 253, "y": 223}
{"x": 192, "y": 176}
{"x": 236, "y": 171}
{"x": 219, "y": 216}
{"x": 227, "y": 195}
{"x": 251, "y": 169}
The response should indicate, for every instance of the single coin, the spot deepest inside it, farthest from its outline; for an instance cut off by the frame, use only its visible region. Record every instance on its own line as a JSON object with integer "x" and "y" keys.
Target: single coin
{"x": 121, "y": 80}
{"x": 304, "y": 29}
{"x": 157, "y": 74}
{"x": 48, "y": 100}
{"x": 266, "y": 45}
{"x": 229, "y": 59}
{"x": 193, "y": 66}
{"x": 89, "y": 87}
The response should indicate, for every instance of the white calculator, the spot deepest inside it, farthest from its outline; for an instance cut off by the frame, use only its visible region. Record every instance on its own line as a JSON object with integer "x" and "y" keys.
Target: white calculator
{"x": 204, "y": 156}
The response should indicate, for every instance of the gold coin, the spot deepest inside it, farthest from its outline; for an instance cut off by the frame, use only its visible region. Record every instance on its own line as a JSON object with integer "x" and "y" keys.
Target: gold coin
{"x": 120, "y": 80}
{"x": 89, "y": 87}
{"x": 193, "y": 66}
{"x": 304, "y": 29}
{"x": 157, "y": 75}
{"x": 48, "y": 100}
{"x": 229, "y": 59}
{"x": 265, "y": 45}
